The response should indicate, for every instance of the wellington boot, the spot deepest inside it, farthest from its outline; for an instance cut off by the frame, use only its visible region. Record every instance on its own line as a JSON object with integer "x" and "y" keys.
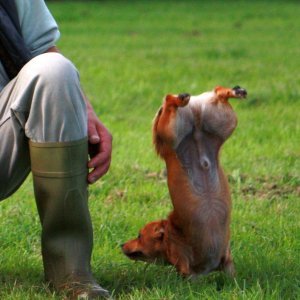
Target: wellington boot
{"x": 60, "y": 185}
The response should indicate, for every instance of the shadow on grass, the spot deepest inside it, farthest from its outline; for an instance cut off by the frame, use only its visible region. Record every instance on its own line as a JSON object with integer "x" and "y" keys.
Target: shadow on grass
{"x": 25, "y": 275}
{"x": 127, "y": 280}
{"x": 138, "y": 278}
{"x": 26, "y": 280}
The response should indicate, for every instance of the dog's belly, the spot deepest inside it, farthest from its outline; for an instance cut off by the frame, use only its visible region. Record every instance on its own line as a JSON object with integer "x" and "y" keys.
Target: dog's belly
{"x": 210, "y": 201}
{"x": 198, "y": 155}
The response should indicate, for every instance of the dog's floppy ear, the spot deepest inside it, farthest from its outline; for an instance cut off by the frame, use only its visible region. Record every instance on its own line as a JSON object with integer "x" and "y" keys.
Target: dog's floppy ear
{"x": 160, "y": 230}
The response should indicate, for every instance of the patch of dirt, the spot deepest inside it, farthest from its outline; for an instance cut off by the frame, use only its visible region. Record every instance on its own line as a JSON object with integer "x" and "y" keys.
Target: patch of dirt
{"x": 162, "y": 175}
{"x": 116, "y": 194}
{"x": 271, "y": 191}
{"x": 193, "y": 33}
{"x": 267, "y": 187}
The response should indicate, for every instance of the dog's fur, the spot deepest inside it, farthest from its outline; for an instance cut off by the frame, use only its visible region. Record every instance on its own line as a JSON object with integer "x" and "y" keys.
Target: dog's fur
{"x": 188, "y": 133}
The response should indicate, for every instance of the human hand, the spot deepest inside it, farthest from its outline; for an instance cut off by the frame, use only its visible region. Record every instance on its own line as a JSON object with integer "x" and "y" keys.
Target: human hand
{"x": 100, "y": 146}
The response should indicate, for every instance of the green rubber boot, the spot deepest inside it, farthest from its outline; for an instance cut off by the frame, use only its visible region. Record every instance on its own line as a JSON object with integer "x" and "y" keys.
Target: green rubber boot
{"x": 60, "y": 185}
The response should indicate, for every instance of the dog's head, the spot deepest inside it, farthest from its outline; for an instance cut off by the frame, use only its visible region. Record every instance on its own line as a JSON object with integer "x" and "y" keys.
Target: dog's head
{"x": 149, "y": 245}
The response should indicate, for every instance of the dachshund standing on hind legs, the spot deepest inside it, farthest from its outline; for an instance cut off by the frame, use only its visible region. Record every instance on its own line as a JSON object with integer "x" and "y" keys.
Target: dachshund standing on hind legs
{"x": 188, "y": 133}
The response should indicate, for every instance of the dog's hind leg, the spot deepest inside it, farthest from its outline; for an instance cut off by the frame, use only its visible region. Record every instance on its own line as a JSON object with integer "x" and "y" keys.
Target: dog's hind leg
{"x": 165, "y": 125}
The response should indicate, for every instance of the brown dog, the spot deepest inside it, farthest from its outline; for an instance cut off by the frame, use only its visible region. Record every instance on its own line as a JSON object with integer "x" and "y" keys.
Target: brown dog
{"x": 188, "y": 133}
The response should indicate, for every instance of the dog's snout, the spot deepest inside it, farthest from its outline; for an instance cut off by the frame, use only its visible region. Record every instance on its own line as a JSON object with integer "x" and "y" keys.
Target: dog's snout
{"x": 239, "y": 91}
{"x": 122, "y": 245}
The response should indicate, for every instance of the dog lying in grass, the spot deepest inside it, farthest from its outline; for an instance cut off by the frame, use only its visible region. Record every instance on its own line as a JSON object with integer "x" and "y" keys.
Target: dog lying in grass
{"x": 188, "y": 132}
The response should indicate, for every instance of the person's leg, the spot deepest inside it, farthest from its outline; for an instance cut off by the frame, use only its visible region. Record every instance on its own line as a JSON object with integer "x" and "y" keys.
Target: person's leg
{"x": 49, "y": 105}
{"x": 38, "y": 105}
{"x": 14, "y": 151}
{"x": 48, "y": 101}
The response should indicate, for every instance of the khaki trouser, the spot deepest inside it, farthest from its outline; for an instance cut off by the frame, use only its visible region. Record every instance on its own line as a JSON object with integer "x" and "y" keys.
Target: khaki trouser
{"x": 44, "y": 103}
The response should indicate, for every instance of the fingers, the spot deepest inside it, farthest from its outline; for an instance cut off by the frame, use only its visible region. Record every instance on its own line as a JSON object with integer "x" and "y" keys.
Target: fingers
{"x": 100, "y": 147}
{"x": 100, "y": 169}
{"x": 94, "y": 137}
{"x": 101, "y": 156}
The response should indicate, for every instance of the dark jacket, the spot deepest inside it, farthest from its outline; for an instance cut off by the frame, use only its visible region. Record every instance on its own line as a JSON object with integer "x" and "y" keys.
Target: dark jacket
{"x": 14, "y": 53}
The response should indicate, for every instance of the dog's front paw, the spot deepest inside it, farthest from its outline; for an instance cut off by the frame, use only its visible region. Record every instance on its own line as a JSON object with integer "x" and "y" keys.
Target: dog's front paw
{"x": 178, "y": 100}
{"x": 184, "y": 98}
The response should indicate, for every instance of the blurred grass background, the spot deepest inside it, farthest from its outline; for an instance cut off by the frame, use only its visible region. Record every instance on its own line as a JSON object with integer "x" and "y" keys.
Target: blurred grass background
{"x": 130, "y": 54}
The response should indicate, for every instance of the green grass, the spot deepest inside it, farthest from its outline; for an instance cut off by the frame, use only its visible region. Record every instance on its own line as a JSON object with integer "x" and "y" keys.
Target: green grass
{"x": 130, "y": 54}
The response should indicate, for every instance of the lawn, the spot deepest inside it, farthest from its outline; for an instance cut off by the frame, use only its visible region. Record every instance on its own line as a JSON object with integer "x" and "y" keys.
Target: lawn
{"x": 130, "y": 54}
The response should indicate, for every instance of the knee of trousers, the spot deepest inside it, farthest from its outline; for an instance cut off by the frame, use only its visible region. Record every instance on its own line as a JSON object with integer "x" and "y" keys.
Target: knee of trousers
{"x": 52, "y": 70}
{"x": 51, "y": 92}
